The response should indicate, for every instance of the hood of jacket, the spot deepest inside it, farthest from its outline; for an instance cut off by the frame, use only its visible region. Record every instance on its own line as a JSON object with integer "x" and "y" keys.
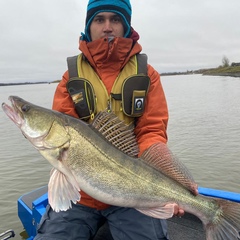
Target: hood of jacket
{"x": 109, "y": 55}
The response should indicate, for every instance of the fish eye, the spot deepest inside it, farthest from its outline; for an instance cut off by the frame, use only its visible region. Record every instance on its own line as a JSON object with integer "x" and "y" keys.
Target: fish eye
{"x": 25, "y": 108}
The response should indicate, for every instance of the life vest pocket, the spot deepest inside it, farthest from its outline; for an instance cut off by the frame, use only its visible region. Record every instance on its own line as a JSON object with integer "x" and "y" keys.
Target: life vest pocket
{"x": 134, "y": 92}
{"x": 83, "y": 96}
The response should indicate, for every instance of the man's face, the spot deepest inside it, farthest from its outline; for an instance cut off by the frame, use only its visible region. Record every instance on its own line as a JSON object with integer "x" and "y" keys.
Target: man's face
{"x": 106, "y": 24}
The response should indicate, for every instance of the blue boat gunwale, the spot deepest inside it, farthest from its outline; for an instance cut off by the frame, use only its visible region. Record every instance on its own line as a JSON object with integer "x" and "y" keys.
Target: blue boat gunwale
{"x": 30, "y": 215}
{"x": 210, "y": 192}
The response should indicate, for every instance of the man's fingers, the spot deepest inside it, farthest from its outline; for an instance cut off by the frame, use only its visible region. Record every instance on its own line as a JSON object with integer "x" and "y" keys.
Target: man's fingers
{"x": 179, "y": 212}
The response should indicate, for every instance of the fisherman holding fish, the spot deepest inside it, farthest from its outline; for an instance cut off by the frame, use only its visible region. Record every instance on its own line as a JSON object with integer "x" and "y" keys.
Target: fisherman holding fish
{"x": 113, "y": 164}
{"x": 109, "y": 48}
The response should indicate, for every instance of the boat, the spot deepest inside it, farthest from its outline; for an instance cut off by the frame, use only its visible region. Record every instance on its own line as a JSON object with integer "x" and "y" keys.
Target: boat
{"x": 32, "y": 205}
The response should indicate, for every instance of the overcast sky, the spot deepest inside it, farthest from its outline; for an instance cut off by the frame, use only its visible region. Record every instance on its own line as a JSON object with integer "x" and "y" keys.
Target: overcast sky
{"x": 178, "y": 35}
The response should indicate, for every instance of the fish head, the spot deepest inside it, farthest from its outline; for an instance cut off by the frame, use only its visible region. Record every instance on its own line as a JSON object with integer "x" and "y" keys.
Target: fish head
{"x": 48, "y": 131}
{"x": 42, "y": 127}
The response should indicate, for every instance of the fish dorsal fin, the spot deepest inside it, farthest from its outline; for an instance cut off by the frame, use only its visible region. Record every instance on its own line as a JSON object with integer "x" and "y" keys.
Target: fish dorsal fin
{"x": 161, "y": 158}
{"x": 116, "y": 132}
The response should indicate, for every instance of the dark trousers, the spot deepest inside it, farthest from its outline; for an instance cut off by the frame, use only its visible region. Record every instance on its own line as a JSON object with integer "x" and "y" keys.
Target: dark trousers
{"x": 82, "y": 223}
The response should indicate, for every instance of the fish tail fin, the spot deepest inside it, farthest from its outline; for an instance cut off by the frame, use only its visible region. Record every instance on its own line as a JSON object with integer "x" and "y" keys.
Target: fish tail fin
{"x": 226, "y": 222}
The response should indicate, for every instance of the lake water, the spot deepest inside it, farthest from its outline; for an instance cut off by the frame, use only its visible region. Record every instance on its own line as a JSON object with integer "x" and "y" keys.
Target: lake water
{"x": 203, "y": 131}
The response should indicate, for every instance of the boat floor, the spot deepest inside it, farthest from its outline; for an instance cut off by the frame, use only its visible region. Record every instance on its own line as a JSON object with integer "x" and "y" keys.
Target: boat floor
{"x": 187, "y": 227}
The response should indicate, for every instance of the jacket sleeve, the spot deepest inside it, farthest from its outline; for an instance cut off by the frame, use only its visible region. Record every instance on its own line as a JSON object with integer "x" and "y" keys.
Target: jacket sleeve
{"x": 151, "y": 127}
{"x": 62, "y": 102}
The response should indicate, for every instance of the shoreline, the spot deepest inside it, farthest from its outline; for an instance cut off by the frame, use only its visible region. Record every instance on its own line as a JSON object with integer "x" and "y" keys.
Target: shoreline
{"x": 225, "y": 72}
{"x": 23, "y": 83}
{"x": 230, "y": 71}
{"x": 235, "y": 75}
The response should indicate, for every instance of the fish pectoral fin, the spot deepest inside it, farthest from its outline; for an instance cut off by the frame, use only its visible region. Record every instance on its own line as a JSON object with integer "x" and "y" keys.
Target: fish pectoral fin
{"x": 62, "y": 191}
{"x": 163, "y": 212}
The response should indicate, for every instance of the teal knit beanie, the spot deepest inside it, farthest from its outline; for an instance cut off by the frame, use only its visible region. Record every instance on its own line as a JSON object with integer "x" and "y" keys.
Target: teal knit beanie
{"x": 121, "y": 7}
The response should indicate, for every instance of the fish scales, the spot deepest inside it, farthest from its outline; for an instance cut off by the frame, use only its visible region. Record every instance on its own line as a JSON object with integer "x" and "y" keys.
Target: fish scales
{"x": 110, "y": 167}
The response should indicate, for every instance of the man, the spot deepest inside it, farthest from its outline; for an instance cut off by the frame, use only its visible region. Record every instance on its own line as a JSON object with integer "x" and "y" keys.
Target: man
{"x": 109, "y": 48}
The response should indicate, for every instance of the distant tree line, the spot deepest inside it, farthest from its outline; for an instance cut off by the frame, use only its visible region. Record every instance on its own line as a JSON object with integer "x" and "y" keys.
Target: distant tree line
{"x": 226, "y": 62}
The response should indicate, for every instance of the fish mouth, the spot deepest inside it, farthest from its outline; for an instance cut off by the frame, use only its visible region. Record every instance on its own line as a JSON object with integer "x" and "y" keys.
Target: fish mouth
{"x": 13, "y": 112}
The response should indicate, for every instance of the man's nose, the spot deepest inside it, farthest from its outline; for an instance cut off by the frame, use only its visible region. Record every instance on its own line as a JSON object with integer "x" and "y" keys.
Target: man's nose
{"x": 107, "y": 26}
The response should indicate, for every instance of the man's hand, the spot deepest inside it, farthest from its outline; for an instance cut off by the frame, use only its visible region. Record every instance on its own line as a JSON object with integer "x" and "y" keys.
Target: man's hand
{"x": 178, "y": 212}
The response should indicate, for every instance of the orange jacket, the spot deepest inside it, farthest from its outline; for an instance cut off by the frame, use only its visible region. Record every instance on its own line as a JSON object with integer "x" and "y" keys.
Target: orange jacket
{"x": 107, "y": 59}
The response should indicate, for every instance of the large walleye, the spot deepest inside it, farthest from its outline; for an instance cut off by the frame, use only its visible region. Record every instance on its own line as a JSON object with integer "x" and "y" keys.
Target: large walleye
{"x": 83, "y": 158}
